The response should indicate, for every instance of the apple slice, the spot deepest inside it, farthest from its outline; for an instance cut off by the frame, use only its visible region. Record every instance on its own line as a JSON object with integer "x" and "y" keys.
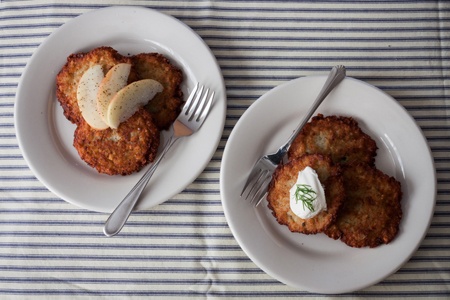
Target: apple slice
{"x": 114, "y": 81}
{"x": 129, "y": 99}
{"x": 87, "y": 90}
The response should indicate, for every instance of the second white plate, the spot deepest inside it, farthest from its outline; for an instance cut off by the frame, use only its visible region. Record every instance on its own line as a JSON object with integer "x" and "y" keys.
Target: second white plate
{"x": 317, "y": 263}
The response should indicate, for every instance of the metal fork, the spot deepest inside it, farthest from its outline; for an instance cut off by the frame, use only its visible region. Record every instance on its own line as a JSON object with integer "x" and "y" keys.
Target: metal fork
{"x": 255, "y": 188}
{"x": 192, "y": 116}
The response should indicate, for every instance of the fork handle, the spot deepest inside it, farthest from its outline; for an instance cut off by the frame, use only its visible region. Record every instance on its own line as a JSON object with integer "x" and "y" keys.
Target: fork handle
{"x": 120, "y": 215}
{"x": 337, "y": 74}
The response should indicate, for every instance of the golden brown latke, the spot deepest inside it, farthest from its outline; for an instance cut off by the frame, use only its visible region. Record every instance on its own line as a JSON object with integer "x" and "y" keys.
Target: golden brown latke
{"x": 285, "y": 176}
{"x": 70, "y": 74}
{"x": 371, "y": 213}
{"x": 165, "y": 106}
{"x": 339, "y": 137}
{"x": 121, "y": 151}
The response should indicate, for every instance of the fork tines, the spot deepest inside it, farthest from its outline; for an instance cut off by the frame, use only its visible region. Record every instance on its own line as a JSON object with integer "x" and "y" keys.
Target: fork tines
{"x": 256, "y": 187}
{"x": 198, "y": 103}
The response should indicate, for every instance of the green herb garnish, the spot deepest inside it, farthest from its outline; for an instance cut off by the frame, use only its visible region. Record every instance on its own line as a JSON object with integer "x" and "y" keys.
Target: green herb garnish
{"x": 306, "y": 194}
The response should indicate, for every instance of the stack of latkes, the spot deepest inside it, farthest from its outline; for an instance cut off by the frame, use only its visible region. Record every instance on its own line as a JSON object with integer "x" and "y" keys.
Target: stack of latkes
{"x": 135, "y": 142}
{"x": 363, "y": 203}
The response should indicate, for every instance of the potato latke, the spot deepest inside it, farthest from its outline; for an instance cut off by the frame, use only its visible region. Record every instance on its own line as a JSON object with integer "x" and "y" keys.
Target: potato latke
{"x": 70, "y": 74}
{"x": 285, "y": 177}
{"x": 119, "y": 151}
{"x": 165, "y": 106}
{"x": 371, "y": 213}
{"x": 337, "y": 136}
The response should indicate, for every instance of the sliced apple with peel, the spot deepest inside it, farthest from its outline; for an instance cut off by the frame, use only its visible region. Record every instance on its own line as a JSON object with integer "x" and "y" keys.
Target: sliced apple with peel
{"x": 129, "y": 99}
{"x": 87, "y": 90}
{"x": 115, "y": 80}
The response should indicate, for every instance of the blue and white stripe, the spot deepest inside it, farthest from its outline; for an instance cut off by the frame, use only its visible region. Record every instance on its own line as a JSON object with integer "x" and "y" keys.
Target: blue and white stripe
{"x": 184, "y": 248}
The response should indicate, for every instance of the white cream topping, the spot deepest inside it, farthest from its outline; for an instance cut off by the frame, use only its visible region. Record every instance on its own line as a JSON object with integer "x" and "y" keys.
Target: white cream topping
{"x": 307, "y": 197}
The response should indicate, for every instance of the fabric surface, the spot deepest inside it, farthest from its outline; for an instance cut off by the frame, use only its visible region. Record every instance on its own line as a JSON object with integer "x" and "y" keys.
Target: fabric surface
{"x": 184, "y": 248}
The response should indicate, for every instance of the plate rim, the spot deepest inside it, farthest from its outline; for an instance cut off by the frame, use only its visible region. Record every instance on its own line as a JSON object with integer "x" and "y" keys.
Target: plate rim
{"x": 120, "y": 12}
{"x": 235, "y": 227}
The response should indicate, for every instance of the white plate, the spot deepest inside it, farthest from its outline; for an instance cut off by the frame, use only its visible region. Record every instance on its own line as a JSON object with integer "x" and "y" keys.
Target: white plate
{"x": 317, "y": 263}
{"x": 45, "y": 136}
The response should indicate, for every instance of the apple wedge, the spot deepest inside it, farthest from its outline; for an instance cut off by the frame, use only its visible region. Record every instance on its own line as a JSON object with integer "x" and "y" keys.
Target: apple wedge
{"x": 87, "y": 90}
{"x": 115, "y": 80}
{"x": 129, "y": 99}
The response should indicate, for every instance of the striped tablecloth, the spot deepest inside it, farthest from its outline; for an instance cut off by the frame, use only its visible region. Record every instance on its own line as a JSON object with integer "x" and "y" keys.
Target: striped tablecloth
{"x": 183, "y": 247}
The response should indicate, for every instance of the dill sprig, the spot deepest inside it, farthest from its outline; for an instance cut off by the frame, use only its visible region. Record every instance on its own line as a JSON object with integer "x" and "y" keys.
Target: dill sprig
{"x": 306, "y": 194}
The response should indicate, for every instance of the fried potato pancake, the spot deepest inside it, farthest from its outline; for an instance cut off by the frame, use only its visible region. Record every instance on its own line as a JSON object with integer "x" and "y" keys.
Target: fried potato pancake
{"x": 285, "y": 176}
{"x": 165, "y": 106}
{"x": 119, "y": 151}
{"x": 70, "y": 74}
{"x": 371, "y": 213}
{"x": 339, "y": 137}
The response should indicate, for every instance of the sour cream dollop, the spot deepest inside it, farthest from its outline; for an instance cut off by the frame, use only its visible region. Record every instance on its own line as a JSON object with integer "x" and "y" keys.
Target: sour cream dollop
{"x": 308, "y": 188}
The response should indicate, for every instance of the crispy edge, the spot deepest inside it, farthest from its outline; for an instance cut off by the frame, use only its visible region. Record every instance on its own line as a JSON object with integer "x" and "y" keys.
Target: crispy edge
{"x": 285, "y": 177}
{"x": 101, "y": 150}
{"x": 372, "y": 210}
{"x": 337, "y": 136}
{"x": 165, "y": 106}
